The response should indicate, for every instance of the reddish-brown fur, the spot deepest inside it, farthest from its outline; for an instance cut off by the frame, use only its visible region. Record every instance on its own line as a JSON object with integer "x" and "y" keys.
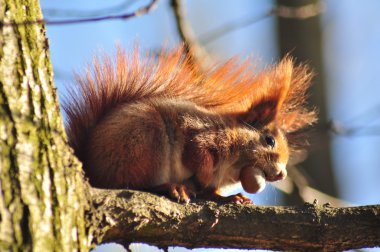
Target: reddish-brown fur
{"x": 144, "y": 123}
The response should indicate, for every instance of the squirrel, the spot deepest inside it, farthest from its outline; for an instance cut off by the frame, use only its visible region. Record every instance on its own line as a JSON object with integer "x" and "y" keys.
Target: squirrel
{"x": 162, "y": 125}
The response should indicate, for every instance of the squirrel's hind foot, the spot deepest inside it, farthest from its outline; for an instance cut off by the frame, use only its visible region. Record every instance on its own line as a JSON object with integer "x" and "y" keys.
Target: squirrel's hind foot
{"x": 178, "y": 192}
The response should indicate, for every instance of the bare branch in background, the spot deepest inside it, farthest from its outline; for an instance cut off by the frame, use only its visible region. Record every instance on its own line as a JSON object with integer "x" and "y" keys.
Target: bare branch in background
{"x": 357, "y": 131}
{"x": 302, "y": 12}
{"x": 231, "y": 26}
{"x": 297, "y": 184}
{"x": 198, "y": 54}
{"x": 366, "y": 119}
{"x": 85, "y": 13}
{"x": 141, "y": 11}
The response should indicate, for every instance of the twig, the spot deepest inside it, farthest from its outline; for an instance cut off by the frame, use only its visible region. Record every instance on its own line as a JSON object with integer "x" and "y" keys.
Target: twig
{"x": 231, "y": 26}
{"x": 143, "y": 10}
{"x": 367, "y": 118}
{"x": 297, "y": 184}
{"x": 82, "y": 13}
{"x": 300, "y": 12}
{"x": 197, "y": 53}
{"x": 364, "y": 130}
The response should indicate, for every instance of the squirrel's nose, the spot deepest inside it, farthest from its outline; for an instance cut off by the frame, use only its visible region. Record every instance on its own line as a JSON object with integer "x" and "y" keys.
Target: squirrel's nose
{"x": 279, "y": 176}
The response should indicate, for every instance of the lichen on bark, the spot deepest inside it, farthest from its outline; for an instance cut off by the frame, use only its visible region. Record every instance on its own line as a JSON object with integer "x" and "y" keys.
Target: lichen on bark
{"x": 42, "y": 203}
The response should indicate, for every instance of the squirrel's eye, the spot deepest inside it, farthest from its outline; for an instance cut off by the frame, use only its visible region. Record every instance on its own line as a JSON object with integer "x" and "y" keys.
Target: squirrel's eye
{"x": 270, "y": 141}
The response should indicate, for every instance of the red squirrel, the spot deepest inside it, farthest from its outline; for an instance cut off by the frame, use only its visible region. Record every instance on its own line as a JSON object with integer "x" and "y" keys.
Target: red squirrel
{"x": 160, "y": 124}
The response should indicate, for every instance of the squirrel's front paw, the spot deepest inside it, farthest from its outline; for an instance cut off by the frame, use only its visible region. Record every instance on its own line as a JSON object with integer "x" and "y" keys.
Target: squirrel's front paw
{"x": 239, "y": 199}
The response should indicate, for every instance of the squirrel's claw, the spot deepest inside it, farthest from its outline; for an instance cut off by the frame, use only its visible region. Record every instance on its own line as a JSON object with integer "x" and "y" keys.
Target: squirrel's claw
{"x": 180, "y": 193}
{"x": 239, "y": 199}
{"x": 236, "y": 198}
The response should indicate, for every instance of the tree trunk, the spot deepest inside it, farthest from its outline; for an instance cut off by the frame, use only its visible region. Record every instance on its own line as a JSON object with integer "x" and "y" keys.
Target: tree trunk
{"x": 42, "y": 206}
{"x": 299, "y": 33}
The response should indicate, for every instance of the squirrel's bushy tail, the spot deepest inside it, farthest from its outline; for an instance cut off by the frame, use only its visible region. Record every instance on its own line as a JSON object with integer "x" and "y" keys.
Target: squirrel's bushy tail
{"x": 229, "y": 88}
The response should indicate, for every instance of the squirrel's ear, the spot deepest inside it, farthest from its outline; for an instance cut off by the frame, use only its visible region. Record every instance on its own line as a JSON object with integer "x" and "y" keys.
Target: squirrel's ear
{"x": 270, "y": 94}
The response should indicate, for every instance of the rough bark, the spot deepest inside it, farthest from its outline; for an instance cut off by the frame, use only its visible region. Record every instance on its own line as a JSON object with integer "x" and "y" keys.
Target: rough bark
{"x": 131, "y": 216}
{"x": 41, "y": 187}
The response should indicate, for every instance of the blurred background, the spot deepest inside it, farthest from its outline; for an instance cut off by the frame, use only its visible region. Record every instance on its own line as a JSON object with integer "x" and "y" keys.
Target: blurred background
{"x": 340, "y": 40}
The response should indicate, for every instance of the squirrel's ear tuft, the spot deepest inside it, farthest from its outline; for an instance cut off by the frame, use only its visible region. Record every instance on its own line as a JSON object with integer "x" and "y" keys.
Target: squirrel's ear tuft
{"x": 271, "y": 91}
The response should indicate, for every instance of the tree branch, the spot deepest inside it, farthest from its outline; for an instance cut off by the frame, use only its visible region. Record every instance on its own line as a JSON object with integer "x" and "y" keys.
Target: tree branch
{"x": 87, "y": 13}
{"x": 130, "y": 216}
{"x": 143, "y": 10}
